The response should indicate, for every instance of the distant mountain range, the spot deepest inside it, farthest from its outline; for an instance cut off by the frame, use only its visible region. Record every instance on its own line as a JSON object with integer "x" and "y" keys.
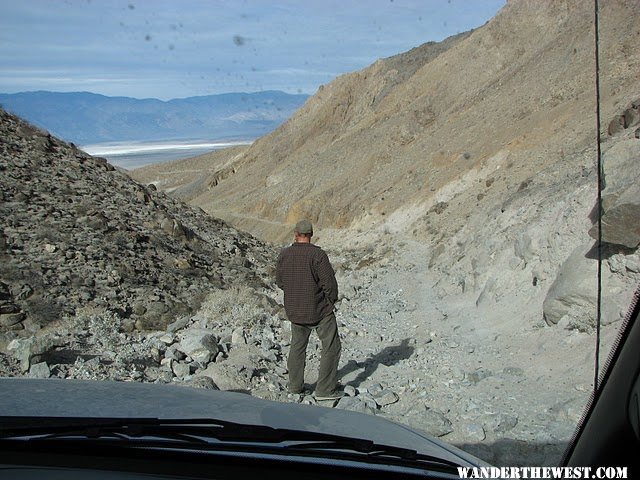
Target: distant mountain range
{"x": 84, "y": 117}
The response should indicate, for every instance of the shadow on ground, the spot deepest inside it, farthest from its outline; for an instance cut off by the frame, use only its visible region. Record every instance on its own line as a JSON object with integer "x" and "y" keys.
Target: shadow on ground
{"x": 388, "y": 356}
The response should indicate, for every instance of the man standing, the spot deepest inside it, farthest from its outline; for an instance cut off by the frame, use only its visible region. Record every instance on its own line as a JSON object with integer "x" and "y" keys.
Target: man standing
{"x": 307, "y": 278}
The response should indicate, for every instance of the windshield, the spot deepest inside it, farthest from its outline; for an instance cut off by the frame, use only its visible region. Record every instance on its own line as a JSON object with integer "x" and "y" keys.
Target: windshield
{"x": 443, "y": 156}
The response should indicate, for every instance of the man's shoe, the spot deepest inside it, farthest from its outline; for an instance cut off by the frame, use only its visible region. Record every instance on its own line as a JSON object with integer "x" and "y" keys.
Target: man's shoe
{"x": 304, "y": 391}
{"x": 336, "y": 395}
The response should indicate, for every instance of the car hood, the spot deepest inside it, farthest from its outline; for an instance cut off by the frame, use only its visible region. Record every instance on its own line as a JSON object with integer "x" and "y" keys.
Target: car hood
{"x": 108, "y": 399}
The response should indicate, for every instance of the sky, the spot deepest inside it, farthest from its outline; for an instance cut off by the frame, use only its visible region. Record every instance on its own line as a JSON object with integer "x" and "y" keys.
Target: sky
{"x": 179, "y": 48}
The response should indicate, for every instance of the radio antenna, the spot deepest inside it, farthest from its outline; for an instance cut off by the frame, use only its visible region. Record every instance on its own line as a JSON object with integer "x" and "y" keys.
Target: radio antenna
{"x": 599, "y": 202}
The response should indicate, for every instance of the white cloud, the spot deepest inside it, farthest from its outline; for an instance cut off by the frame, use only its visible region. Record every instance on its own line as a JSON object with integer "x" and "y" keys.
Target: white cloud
{"x": 169, "y": 48}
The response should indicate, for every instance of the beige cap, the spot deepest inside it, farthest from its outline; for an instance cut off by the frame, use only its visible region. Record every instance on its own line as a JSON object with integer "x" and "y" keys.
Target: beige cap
{"x": 304, "y": 227}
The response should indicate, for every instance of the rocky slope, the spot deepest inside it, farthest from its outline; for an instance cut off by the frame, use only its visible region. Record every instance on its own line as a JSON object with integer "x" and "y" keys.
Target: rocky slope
{"x": 188, "y": 178}
{"x": 80, "y": 237}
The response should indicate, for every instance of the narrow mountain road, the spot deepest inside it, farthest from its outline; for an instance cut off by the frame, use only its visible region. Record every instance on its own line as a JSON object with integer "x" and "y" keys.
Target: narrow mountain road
{"x": 492, "y": 391}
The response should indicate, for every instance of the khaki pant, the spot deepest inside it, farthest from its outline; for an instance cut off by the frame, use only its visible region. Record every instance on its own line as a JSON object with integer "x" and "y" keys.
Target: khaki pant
{"x": 327, "y": 330}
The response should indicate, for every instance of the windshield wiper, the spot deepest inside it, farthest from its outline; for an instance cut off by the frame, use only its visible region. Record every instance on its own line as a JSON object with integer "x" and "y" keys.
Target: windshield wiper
{"x": 201, "y": 433}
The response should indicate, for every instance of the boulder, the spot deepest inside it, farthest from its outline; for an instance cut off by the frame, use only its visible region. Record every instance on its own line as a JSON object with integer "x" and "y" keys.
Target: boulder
{"x": 172, "y": 353}
{"x": 225, "y": 376}
{"x": 30, "y": 350}
{"x": 11, "y": 319}
{"x": 354, "y": 404}
{"x": 574, "y": 286}
{"x": 199, "y": 344}
{"x": 632, "y": 263}
{"x": 203, "y": 382}
{"x": 435, "y": 423}
{"x": 181, "y": 369}
{"x": 375, "y": 389}
{"x": 621, "y": 195}
{"x": 368, "y": 400}
{"x": 179, "y": 324}
{"x": 350, "y": 391}
{"x": 40, "y": 370}
{"x": 236, "y": 371}
{"x": 631, "y": 117}
{"x": 502, "y": 422}
{"x": 616, "y": 125}
{"x": 386, "y": 397}
{"x": 621, "y": 220}
{"x": 238, "y": 337}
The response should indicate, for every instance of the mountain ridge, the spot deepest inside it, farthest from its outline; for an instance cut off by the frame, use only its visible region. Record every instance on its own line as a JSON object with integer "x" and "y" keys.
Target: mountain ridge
{"x": 511, "y": 89}
{"x": 86, "y": 117}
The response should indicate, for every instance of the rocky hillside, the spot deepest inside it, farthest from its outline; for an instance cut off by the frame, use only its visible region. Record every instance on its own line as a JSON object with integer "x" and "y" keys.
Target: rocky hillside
{"x": 383, "y": 145}
{"x": 78, "y": 235}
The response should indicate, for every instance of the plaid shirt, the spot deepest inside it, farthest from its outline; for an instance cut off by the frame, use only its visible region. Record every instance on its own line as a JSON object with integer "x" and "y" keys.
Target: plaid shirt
{"x": 310, "y": 289}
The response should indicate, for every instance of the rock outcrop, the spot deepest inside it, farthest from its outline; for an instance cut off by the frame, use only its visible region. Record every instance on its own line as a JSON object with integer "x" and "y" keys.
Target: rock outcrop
{"x": 572, "y": 293}
{"x": 621, "y": 195}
